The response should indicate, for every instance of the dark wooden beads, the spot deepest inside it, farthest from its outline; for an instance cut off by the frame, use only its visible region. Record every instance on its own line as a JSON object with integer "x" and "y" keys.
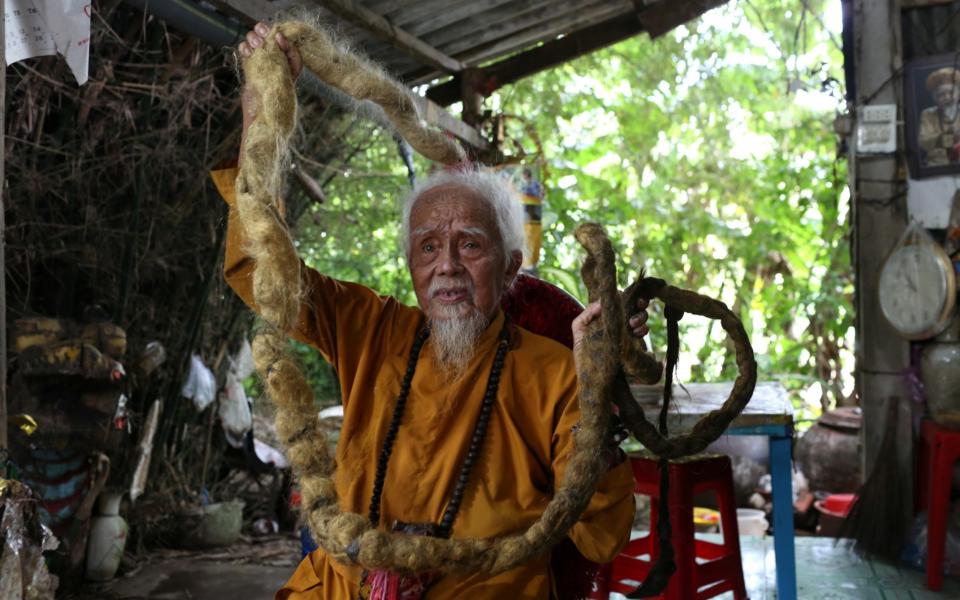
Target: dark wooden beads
{"x": 391, "y": 436}
{"x": 479, "y": 431}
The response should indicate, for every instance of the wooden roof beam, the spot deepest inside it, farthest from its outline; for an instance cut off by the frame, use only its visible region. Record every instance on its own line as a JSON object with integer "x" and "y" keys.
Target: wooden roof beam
{"x": 547, "y": 31}
{"x": 545, "y": 56}
{"x": 251, "y": 11}
{"x": 438, "y": 117}
{"x": 379, "y": 26}
{"x": 659, "y": 17}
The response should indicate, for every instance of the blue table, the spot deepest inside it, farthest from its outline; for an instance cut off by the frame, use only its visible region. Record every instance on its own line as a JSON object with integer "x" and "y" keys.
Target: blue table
{"x": 769, "y": 413}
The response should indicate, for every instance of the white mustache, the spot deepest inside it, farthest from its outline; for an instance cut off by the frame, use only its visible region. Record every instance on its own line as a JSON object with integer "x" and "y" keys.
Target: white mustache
{"x": 442, "y": 282}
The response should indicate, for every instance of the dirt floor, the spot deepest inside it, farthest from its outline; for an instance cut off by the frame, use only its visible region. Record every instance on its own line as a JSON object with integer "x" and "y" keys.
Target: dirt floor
{"x": 253, "y": 569}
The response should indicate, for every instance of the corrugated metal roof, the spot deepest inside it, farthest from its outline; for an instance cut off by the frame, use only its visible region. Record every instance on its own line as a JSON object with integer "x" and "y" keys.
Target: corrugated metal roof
{"x": 471, "y": 33}
{"x": 489, "y": 43}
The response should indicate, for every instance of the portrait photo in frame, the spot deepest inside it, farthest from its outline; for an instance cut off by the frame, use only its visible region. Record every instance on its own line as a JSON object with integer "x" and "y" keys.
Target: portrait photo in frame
{"x": 932, "y": 115}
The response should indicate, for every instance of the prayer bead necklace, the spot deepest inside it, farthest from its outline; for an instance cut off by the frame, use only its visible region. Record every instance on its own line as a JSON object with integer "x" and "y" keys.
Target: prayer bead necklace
{"x": 473, "y": 452}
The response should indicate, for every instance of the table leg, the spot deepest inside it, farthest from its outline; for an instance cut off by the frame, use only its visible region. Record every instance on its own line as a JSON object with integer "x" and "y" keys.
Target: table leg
{"x": 783, "y": 539}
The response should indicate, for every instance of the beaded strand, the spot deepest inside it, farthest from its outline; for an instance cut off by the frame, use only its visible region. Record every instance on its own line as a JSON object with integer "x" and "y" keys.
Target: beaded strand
{"x": 387, "y": 448}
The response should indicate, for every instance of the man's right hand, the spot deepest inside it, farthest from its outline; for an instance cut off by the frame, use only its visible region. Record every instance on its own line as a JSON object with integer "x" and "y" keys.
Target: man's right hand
{"x": 250, "y": 99}
{"x": 257, "y": 36}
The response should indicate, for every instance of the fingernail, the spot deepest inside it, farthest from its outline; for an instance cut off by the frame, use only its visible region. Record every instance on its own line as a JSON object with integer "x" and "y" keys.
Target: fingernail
{"x": 255, "y": 42}
{"x": 262, "y": 29}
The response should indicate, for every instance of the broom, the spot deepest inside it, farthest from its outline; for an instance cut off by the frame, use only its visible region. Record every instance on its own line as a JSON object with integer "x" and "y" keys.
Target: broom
{"x": 878, "y": 521}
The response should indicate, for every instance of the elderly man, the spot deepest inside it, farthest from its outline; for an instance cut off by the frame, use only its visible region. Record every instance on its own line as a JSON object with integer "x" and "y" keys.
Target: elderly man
{"x": 448, "y": 362}
{"x": 939, "y": 135}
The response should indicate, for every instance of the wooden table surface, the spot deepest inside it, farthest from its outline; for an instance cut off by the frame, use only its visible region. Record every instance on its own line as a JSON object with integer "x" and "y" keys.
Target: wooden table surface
{"x": 769, "y": 405}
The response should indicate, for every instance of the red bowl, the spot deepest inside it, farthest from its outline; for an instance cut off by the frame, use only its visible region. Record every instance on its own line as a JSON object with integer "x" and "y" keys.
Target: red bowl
{"x": 836, "y": 505}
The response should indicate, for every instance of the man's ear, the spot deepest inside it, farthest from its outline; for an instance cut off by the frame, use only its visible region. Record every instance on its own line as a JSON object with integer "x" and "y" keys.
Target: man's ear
{"x": 513, "y": 267}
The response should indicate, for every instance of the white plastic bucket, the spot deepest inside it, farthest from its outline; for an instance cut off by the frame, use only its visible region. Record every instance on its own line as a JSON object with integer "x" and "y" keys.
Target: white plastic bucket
{"x": 751, "y": 521}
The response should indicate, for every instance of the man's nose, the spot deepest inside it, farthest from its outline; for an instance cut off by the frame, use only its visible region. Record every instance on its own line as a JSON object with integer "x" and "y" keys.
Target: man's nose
{"x": 450, "y": 260}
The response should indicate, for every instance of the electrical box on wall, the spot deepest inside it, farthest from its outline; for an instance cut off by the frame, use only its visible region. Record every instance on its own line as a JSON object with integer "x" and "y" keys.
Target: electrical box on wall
{"x": 877, "y": 129}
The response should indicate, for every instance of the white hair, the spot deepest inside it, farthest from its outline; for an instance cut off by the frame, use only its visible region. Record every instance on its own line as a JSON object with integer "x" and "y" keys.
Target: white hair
{"x": 486, "y": 184}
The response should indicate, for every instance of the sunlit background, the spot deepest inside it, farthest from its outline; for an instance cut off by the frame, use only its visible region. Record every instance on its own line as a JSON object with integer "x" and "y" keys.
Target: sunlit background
{"x": 709, "y": 156}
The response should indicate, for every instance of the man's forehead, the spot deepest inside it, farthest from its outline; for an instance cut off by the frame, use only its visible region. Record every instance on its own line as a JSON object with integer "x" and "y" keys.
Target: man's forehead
{"x": 449, "y": 192}
{"x": 436, "y": 207}
{"x": 431, "y": 228}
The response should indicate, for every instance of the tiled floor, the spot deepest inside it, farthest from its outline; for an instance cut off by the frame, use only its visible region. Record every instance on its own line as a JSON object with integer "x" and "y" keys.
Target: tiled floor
{"x": 825, "y": 571}
{"x": 829, "y": 572}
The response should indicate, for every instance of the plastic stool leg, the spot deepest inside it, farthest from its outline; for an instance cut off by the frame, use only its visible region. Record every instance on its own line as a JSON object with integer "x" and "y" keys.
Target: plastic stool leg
{"x": 683, "y": 583}
{"x": 731, "y": 534}
{"x": 939, "y": 504}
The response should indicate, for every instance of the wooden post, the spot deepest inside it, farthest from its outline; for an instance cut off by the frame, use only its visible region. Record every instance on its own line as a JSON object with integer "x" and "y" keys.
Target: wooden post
{"x": 470, "y": 85}
{"x": 3, "y": 269}
{"x": 879, "y": 217}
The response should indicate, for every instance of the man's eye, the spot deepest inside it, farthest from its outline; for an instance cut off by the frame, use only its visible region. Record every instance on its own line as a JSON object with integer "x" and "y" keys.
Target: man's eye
{"x": 471, "y": 245}
{"x": 427, "y": 248}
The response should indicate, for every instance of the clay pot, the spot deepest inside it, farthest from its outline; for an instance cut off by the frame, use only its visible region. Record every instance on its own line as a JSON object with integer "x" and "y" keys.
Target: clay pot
{"x": 108, "y": 536}
{"x": 829, "y": 452}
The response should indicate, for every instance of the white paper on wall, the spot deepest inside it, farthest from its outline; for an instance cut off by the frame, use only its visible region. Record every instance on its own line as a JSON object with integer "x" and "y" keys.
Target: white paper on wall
{"x": 929, "y": 200}
{"x": 47, "y": 27}
{"x": 877, "y": 129}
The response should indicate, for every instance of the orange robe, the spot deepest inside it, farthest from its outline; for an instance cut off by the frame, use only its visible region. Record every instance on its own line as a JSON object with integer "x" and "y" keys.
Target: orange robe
{"x": 367, "y": 338}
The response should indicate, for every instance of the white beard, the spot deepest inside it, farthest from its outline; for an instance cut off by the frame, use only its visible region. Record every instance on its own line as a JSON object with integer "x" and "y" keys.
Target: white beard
{"x": 454, "y": 340}
{"x": 950, "y": 112}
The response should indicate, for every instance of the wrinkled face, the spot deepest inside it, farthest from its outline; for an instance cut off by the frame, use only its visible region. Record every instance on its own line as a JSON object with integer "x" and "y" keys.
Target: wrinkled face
{"x": 456, "y": 254}
{"x": 946, "y": 96}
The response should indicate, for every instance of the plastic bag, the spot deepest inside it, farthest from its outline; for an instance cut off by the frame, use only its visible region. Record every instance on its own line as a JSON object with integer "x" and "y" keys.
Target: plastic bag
{"x": 241, "y": 365}
{"x": 269, "y": 455}
{"x": 201, "y": 385}
{"x": 235, "y": 411}
{"x": 915, "y": 551}
{"x": 23, "y": 570}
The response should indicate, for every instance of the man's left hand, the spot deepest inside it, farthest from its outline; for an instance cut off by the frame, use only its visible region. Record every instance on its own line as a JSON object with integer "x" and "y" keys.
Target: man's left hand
{"x": 638, "y": 321}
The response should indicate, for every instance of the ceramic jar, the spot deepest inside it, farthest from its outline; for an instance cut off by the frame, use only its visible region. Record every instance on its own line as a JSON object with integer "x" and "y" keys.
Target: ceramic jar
{"x": 108, "y": 536}
{"x": 940, "y": 372}
{"x": 829, "y": 452}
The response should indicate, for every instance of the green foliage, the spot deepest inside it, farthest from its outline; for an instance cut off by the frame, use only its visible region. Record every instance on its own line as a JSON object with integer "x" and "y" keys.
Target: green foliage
{"x": 319, "y": 372}
{"x": 708, "y": 155}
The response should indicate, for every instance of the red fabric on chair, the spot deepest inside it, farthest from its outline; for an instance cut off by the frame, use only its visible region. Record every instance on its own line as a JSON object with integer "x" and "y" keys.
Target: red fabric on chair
{"x": 542, "y": 308}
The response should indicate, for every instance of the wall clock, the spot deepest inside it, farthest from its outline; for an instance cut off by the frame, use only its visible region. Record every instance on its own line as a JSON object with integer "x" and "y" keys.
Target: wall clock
{"x": 918, "y": 290}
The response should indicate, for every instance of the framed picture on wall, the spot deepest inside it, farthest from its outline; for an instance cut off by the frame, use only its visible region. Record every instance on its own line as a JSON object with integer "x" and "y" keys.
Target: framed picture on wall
{"x": 932, "y": 113}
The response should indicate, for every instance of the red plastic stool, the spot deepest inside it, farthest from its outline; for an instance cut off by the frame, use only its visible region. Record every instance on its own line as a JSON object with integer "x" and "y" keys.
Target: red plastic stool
{"x": 939, "y": 449}
{"x": 720, "y": 568}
